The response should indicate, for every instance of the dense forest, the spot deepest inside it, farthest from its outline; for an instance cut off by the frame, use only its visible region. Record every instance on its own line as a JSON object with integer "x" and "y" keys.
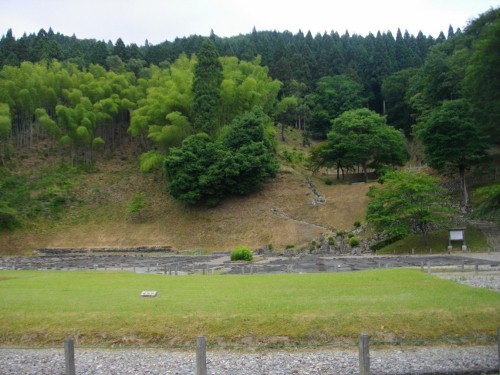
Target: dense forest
{"x": 187, "y": 97}
{"x": 300, "y": 59}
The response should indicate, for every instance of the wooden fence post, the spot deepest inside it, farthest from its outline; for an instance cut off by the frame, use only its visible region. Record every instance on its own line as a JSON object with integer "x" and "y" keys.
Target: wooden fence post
{"x": 69, "y": 356}
{"x": 498, "y": 346}
{"x": 201, "y": 356}
{"x": 364, "y": 355}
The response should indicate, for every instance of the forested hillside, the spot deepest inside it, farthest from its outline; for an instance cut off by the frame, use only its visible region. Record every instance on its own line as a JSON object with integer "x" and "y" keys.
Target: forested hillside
{"x": 298, "y": 58}
{"x": 209, "y": 116}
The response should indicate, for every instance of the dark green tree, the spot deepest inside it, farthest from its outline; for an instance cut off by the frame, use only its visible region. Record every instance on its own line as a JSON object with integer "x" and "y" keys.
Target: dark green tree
{"x": 332, "y": 97}
{"x": 252, "y": 151}
{"x": 99, "y": 53}
{"x": 482, "y": 82}
{"x": 204, "y": 171}
{"x": 398, "y": 110}
{"x": 120, "y": 50}
{"x": 453, "y": 140}
{"x": 195, "y": 171}
{"x": 362, "y": 137}
{"x": 206, "y": 89}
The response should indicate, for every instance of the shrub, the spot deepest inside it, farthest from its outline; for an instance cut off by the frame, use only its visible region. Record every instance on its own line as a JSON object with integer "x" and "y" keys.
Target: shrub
{"x": 294, "y": 157}
{"x": 350, "y": 235}
{"x": 385, "y": 242}
{"x": 8, "y": 217}
{"x": 289, "y": 246}
{"x": 331, "y": 241}
{"x": 241, "y": 253}
{"x": 353, "y": 242}
{"x": 328, "y": 181}
{"x": 136, "y": 205}
{"x": 357, "y": 224}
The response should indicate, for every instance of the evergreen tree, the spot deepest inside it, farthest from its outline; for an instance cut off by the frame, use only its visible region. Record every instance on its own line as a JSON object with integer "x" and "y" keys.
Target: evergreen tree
{"x": 206, "y": 89}
{"x": 120, "y": 50}
{"x": 394, "y": 90}
{"x": 482, "y": 81}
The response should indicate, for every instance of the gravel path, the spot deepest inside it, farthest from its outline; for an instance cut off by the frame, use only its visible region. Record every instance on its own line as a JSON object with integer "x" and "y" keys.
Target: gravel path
{"x": 434, "y": 360}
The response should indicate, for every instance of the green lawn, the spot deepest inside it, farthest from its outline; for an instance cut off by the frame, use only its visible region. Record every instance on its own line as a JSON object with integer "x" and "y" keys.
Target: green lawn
{"x": 105, "y": 308}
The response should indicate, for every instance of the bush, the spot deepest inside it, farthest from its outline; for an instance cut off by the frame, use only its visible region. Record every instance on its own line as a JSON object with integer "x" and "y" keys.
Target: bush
{"x": 8, "y": 217}
{"x": 241, "y": 253}
{"x": 137, "y": 205}
{"x": 353, "y": 242}
{"x": 328, "y": 181}
{"x": 385, "y": 242}
{"x": 357, "y": 224}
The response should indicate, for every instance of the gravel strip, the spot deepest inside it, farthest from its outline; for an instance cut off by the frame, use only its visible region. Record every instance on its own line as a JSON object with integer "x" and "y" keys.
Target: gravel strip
{"x": 477, "y": 281}
{"x": 419, "y": 360}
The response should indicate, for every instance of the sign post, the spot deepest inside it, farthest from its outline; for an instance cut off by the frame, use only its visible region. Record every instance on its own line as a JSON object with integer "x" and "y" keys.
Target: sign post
{"x": 457, "y": 234}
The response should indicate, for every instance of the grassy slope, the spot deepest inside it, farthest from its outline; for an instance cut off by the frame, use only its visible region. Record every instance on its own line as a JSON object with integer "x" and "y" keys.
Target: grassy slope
{"x": 438, "y": 241}
{"x": 101, "y": 217}
{"x": 41, "y": 307}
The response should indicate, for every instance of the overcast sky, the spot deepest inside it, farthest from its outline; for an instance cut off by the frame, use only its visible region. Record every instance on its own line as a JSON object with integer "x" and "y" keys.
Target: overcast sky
{"x": 158, "y": 20}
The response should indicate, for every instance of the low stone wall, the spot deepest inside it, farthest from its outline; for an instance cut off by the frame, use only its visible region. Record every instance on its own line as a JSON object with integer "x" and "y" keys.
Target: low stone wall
{"x": 102, "y": 250}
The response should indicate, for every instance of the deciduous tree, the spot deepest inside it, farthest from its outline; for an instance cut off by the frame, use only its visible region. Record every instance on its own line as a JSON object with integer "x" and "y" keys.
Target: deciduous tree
{"x": 407, "y": 202}
{"x": 453, "y": 141}
{"x": 362, "y": 137}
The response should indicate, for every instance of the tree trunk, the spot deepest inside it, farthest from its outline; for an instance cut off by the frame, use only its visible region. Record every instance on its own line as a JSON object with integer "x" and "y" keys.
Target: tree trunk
{"x": 365, "y": 172}
{"x": 426, "y": 237}
{"x": 283, "y": 132}
{"x": 463, "y": 185}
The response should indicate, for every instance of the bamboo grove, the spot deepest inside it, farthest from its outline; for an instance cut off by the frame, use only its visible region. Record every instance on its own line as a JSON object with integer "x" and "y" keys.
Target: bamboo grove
{"x": 90, "y": 110}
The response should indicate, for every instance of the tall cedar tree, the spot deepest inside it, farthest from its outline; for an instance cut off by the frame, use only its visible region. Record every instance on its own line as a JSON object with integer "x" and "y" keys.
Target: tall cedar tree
{"x": 206, "y": 89}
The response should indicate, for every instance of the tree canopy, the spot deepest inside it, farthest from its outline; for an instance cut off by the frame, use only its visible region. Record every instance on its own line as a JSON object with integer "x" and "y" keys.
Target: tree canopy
{"x": 407, "y": 202}
{"x": 453, "y": 140}
{"x": 362, "y": 137}
{"x": 332, "y": 97}
{"x": 204, "y": 171}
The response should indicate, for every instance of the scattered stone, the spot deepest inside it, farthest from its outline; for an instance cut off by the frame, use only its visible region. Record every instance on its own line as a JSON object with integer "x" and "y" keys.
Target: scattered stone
{"x": 408, "y": 360}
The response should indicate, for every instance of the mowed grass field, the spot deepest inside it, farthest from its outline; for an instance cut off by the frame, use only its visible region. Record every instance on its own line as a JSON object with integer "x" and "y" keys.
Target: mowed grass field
{"x": 40, "y": 308}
